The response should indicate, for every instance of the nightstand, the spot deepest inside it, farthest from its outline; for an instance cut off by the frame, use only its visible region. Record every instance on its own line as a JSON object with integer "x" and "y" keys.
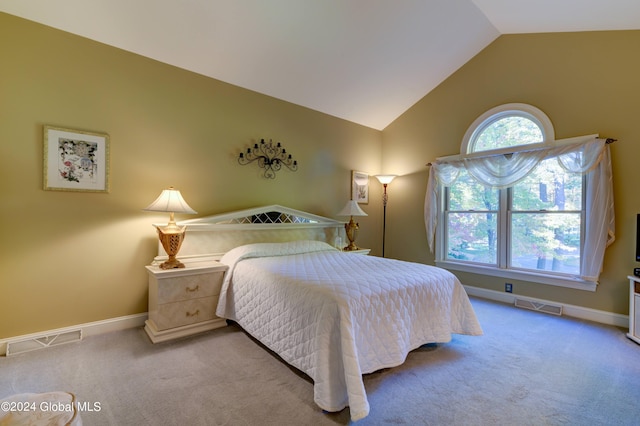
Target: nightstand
{"x": 183, "y": 301}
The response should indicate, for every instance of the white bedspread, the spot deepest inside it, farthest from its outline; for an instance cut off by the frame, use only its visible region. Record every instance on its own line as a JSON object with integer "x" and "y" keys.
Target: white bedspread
{"x": 336, "y": 316}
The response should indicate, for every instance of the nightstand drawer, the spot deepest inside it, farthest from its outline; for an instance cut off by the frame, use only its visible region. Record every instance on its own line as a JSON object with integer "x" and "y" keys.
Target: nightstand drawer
{"x": 177, "y": 314}
{"x": 189, "y": 287}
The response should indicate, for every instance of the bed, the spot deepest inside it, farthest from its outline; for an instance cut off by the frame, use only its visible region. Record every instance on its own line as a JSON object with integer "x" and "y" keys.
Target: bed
{"x": 333, "y": 315}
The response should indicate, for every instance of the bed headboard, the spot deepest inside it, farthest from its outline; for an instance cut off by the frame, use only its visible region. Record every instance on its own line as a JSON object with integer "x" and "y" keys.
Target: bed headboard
{"x": 208, "y": 238}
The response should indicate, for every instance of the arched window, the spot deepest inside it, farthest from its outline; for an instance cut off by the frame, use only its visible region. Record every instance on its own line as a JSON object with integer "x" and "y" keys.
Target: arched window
{"x": 515, "y": 201}
{"x": 507, "y": 126}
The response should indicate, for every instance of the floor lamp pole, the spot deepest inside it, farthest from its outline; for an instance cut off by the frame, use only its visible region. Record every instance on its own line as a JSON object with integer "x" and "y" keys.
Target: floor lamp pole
{"x": 384, "y": 180}
{"x": 385, "y": 198}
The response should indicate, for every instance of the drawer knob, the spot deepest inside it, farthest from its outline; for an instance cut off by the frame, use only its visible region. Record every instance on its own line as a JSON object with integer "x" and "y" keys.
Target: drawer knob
{"x": 192, "y": 290}
{"x": 194, "y": 314}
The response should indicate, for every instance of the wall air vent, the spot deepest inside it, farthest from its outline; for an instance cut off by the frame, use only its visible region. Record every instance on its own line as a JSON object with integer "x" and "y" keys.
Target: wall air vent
{"x": 45, "y": 341}
{"x": 533, "y": 305}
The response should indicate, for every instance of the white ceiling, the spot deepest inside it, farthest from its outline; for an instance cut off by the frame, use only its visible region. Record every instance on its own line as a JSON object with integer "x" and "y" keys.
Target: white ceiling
{"x": 365, "y": 61}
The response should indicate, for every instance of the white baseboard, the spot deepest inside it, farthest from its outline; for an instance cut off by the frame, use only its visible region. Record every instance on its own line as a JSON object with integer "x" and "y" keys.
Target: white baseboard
{"x": 603, "y": 317}
{"x": 88, "y": 329}
{"x": 138, "y": 320}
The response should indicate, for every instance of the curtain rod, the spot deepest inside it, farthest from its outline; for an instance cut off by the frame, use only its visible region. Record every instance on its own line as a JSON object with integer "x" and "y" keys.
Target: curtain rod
{"x": 607, "y": 141}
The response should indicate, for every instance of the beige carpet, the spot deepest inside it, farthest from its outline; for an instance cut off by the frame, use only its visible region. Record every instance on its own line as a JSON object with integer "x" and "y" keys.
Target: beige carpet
{"x": 528, "y": 369}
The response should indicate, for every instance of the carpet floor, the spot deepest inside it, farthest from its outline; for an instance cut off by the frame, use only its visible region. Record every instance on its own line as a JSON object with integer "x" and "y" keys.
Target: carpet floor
{"x": 529, "y": 368}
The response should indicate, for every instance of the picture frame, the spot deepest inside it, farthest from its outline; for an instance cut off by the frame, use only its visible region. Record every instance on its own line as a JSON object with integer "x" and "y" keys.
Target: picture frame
{"x": 75, "y": 160}
{"x": 360, "y": 187}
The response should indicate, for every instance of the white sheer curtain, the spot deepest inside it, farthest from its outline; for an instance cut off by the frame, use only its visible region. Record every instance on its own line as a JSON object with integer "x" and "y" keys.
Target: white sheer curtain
{"x": 502, "y": 171}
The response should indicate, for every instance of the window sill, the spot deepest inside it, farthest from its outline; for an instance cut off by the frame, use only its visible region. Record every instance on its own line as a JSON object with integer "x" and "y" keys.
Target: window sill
{"x": 574, "y": 283}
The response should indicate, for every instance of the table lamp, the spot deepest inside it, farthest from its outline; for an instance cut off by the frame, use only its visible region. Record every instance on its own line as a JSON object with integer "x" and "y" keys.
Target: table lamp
{"x": 351, "y": 209}
{"x": 171, "y": 235}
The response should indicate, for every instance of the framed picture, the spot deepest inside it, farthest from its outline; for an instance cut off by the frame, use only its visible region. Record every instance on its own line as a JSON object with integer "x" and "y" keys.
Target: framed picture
{"x": 360, "y": 187}
{"x": 75, "y": 160}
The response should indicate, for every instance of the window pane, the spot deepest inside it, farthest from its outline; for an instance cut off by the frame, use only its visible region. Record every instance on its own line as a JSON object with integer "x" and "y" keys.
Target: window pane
{"x": 472, "y": 237}
{"x": 467, "y": 194}
{"x": 546, "y": 241}
{"x": 506, "y": 132}
{"x": 548, "y": 187}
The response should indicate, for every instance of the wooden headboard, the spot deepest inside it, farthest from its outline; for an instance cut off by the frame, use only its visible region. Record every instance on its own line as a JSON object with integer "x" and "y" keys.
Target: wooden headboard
{"x": 208, "y": 238}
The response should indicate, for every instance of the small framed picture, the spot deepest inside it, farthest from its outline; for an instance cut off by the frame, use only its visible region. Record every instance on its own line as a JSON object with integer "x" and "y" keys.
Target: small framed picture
{"x": 360, "y": 187}
{"x": 75, "y": 160}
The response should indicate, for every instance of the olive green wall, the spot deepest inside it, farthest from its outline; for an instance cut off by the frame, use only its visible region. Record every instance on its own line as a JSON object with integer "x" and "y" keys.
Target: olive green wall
{"x": 585, "y": 82}
{"x": 69, "y": 258}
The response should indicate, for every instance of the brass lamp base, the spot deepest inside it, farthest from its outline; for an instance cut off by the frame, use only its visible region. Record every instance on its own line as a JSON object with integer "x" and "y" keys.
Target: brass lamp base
{"x": 171, "y": 263}
{"x": 171, "y": 237}
{"x": 351, "y": 229}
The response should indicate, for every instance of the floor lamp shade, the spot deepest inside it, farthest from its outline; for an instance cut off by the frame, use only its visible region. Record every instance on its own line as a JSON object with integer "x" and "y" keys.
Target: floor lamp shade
{"x": 385, "y": 179}
{"x": 171, "y": 235}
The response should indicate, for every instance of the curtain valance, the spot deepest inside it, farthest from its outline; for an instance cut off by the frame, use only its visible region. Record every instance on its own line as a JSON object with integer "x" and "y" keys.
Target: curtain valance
{"x": 588, "y": 156}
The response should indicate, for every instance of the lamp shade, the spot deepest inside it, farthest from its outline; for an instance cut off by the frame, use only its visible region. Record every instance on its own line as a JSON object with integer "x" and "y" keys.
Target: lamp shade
{"x": 170, "y": 200}
{"x": 386, "y": 179}
{"x": 352, "y": 209}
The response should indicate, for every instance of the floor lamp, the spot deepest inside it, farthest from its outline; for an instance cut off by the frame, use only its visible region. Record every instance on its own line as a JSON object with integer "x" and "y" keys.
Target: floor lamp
{"x": 384, "y": 180}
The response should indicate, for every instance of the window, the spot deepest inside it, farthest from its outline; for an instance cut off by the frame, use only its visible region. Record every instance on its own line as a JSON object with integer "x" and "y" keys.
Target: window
{"x": 514, "y": 203}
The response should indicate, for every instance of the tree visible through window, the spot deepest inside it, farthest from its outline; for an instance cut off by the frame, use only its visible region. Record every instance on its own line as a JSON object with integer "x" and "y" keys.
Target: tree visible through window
{"x": 507, "y": 132}
{"x": 537, "y": 224}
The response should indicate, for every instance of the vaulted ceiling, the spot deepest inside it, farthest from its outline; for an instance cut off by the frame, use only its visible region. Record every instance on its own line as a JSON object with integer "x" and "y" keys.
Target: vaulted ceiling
{"x": 366, "y": 61}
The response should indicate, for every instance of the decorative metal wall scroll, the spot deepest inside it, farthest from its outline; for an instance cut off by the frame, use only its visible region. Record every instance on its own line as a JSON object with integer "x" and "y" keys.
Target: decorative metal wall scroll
{"x": 270, "y": 157}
